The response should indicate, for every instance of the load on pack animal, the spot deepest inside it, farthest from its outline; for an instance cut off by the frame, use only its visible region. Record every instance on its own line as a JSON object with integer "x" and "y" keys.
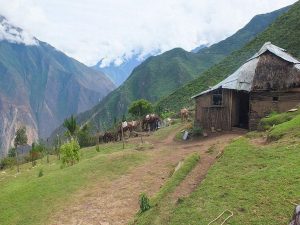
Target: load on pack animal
{"x": 150, "y": 122}
{"x": 127, "y": 126}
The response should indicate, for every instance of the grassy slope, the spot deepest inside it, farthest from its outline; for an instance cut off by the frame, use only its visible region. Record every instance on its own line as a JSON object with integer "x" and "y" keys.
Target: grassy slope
{"x": 161, "y": 200}
{"x": 257, "y": 183}
{"x": 160, "y": 75}
{"x": 284, "y": 32}
{"x": 27, "y": 199}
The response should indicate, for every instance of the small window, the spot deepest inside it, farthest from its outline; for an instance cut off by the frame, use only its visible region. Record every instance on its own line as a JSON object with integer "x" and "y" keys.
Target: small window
{"x": 275, "y": 99}
{"x": 217, "y": 97}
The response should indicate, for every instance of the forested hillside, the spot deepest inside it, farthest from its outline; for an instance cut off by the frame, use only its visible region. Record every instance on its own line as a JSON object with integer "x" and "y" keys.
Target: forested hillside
{"x": 284, "y": 32}
{"x": 158, "y": 76}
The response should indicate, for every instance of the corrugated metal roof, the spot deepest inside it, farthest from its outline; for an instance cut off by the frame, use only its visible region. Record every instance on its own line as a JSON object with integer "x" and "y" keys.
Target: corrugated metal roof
{"x": 242, "y": 78}
{"x": 280, "y": 52}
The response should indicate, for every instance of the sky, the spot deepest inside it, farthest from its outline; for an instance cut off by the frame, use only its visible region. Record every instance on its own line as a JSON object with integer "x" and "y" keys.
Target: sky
{"x": 114, "y": 30}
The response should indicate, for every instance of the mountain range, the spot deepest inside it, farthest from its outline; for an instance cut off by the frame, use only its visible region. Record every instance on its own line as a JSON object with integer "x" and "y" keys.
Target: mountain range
{"x": 284, "y": 32}
{"x": 119, "y": 73}
{"x": 159, "y": 76}
{"x": 41, "y": 86}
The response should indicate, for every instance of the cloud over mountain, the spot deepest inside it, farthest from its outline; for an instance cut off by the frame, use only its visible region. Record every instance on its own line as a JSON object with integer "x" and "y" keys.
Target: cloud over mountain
{"x": 95, "y": 29}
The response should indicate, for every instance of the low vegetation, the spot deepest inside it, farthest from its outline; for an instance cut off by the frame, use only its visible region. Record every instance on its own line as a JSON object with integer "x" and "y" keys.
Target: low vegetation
{"x": 276, "y": 118}
{"x": 291, "y": 127}
{"x": 31, "y": 196}
{"x": 161, "y": 201}
{"x": 257, "y": 183}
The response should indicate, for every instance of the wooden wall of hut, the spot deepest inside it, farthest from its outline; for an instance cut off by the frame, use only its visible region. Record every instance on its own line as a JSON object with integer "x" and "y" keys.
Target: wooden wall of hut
{"x": 263, "y": 103}
{"x": 216, "y": 117}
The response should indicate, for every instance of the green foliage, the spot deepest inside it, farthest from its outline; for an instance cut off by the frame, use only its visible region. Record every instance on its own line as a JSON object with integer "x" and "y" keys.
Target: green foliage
{"x": 20, "y": 194}
{"x": 161, "y": 202}
{"x": 12, "y": 152}
{"x": 71, "y": 126}
{"x": 85, "y": 137}
{"x": 70, "y": 152}
{"x": 97, "y": 148}
{"x": 284, "y": 32}
{"x": 291, "y": 126}
{"x": 7, "y": 162}
{"x": 144, "y": 202}
{"x": 275, "y": 119}
{"x": 249, "y": 180}
{"x": 140, "y": 108}
{"x": 35, "y": 152}
{"x": 41, "y": 173}
{"x": 197, "y": 131}
{"x": 21, "y": 137}
{"x": 167, "y": 114}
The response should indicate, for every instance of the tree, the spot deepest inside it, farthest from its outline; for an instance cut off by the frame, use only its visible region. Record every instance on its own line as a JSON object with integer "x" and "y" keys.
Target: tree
{"x": 84, "y": 136}
{"x": 140, "y": 108}
{"x": 70, "y": 152}
{"x": 20, "y": 139}
{"x": 71, "y": 125}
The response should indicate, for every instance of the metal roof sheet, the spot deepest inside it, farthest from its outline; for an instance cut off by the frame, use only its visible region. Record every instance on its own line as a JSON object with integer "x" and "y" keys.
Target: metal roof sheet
{"x": 280, "y": 52}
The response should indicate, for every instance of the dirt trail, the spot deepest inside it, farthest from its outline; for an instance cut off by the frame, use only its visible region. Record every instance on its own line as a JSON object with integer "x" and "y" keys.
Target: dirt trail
{"x": 116, "y": 202}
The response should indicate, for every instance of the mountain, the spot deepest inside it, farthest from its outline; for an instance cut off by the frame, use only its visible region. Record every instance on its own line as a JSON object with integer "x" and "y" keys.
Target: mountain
{"x": 119, "y": 73}
{"x": 41, "y": 86}
{"x": 197, "y": 49}
{"x": 159, "y": 76}
{"x": 284, "y": 32}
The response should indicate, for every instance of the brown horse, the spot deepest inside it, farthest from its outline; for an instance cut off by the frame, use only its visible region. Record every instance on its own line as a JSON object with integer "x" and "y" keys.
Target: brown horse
{"x": 127, "y": 126}
{"x": 150, "y": 122}
{"x": 108, "y": 137}
{"x": 184, "y": 114}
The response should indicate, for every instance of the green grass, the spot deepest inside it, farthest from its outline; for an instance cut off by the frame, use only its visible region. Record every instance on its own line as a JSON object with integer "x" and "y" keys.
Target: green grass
{"x": 291, "y": 126}
{"x": 275, "y": 119}
{"x": 28, "y": 199}
{"x": 255, "y": 183}
{"x": 163, "y": 133}
{"x": 161, "y": 203}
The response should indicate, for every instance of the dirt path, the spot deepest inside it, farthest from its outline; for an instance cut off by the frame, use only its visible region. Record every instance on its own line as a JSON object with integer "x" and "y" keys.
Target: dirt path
{"x": 115, "y": 202}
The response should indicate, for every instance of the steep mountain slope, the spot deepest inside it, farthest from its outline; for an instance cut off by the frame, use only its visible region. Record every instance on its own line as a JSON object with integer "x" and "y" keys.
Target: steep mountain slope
{"x": 160, "y": 75}
{"x": 284, "y": 32}
{"x": 119, "y": 73}
{"x": 40, "y": 86}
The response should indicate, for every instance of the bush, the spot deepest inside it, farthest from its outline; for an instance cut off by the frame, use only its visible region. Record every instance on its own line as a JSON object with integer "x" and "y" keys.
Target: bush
{"x": 41, "y": 173}
{"x": 97, "y": 148}
{"x": 7, "y": 162}
{"x": 197, "y": 131}
{"x": 70, "y": 153}
{"x": 144, "y": 203}
{"x": 167, "y": 114}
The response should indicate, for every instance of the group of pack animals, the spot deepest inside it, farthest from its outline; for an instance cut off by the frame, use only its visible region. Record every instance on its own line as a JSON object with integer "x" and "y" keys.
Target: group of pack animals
{"x": 150, "y": 122}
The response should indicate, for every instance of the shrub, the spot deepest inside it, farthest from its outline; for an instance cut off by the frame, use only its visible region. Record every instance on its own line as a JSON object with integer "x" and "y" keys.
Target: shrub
{"x": 70, "y": 152}
{"x": 41, "y": 173}
{"x": 97, "y": 148}
{"x": 144, "y": 203}
{"x": 167, "y": 114}
{"x": 197, "y": 131}
{"x": 7, "y": 162}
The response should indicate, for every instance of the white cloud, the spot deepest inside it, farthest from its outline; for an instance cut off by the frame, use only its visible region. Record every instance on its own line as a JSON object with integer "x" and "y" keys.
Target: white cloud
{"x": 15, "y": 35}
{"x": 94, "y": 29}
